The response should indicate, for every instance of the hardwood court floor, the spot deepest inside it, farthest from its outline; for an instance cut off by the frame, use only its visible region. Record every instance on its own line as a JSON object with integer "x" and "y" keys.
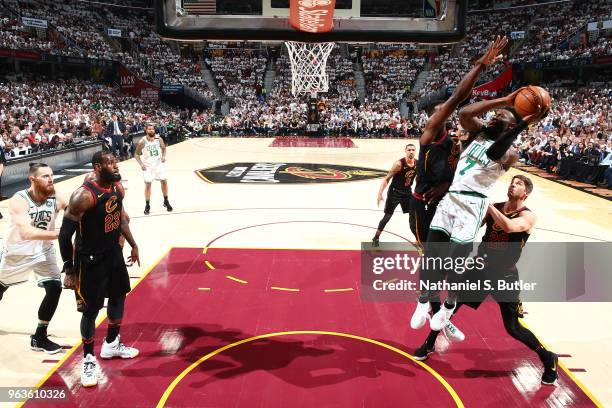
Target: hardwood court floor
{"x": 331, "y": 216}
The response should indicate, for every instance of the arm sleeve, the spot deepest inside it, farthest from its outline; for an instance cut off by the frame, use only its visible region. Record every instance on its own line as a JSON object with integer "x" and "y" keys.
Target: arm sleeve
{"x": 503, "y": 143}
{"x": 67, "y": 230}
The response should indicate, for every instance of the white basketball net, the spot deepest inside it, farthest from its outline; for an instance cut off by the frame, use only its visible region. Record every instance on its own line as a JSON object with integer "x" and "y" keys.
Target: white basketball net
{"x": 308, "y": 63}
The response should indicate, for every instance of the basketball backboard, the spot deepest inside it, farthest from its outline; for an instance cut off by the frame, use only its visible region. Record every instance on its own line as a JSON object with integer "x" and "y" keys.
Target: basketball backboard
{"x": 355, "y": 21}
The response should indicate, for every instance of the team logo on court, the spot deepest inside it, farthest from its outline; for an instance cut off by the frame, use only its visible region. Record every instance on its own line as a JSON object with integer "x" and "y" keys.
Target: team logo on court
{"x": 288, "y": 173}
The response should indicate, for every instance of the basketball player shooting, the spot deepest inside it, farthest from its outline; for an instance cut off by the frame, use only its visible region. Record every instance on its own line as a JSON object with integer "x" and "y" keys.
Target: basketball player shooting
{"x": 28, "y": 247}
{"x": 460, "y": 213}
{"x": 153, "y": 151}
{"x": 438, "y": 155}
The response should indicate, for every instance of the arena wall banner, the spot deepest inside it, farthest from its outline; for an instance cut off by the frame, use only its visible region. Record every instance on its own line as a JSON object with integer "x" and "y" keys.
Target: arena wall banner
{"x": 312, "y": 16}
{"x": 113, "y": 32}
{"x": 490, "y": 89}
{"x": 34, "y": 22}
{"x": 570, "y": 63}
{"x": 20, "y": 54}
{"x": 130, "y": 84}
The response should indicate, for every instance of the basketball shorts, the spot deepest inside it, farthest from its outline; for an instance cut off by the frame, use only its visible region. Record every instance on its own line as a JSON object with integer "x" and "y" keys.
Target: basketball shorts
{"x": 100, "y": 276}
{"x": 509, "y": 299}
{"x": 460, "y": 215}
{"x": 15, "y": 269}
{"x": 421, "y": 215}
{"x": 155, "y": 172}
{"x": 397, "y": 197}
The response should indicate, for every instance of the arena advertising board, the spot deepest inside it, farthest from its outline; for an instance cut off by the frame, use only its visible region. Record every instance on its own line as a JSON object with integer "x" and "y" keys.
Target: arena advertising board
{"x": 286, "y": 173}
{"x": 34, "y": 22}
{"x": 132, "y": 85}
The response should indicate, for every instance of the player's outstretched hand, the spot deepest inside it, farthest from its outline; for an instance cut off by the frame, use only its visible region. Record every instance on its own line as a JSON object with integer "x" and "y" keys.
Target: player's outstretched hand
{"x": 536, "y": 117}
{"x": 143, "y": 167}
{"x": 379, "y": 199}
{"x": 134, "y": 257}
{"x": 511, "y": 97}
{"x": 493, "y": 53}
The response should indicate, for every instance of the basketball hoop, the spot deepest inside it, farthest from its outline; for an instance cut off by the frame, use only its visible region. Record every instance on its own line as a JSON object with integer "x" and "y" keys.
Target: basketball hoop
{"x": 308, "y": 64}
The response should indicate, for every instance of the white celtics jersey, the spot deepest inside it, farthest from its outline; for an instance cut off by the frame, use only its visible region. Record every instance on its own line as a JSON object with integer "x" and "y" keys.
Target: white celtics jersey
{"x": 42, "y": 216}
{"x": 152, "y": 152}
{"x": 475, "y": 171}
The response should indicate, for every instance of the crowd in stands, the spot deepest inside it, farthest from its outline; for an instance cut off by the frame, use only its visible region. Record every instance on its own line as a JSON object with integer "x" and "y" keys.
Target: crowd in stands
{"x": 38, "y": 116}
{"x": 79, "y": 109}
{"x": 390, "y": 74}
{"x": 546, "y": 27}
{"x": 575, "y": 140}
{"x": 239, "y": 72}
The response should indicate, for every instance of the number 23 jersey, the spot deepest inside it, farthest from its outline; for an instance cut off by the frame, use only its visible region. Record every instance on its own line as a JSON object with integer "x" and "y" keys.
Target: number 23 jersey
{"x": 100, "y": 226}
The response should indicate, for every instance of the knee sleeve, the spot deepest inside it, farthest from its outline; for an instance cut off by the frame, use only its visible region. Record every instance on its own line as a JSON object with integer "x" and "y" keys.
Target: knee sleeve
{"x": 53, "y": 290}
{"x": 115, "y": 308}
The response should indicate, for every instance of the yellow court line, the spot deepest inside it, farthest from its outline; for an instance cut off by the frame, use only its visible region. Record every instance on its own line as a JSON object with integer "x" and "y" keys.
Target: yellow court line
{"x": 568, "y": 372}
{"x": 338, "y": 290}
{"x": 430, "y": 370}
{"x": 203, "y": 178}
{"x": 209, "y": 265}
{"x": 203, "y": 288}
{"x": 285, "y": 289}
{"x": 236, "y": 279}
{"x": 98, "y": 323}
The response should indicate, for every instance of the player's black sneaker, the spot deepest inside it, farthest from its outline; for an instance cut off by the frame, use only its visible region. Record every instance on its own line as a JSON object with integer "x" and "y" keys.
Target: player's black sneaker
{"x": 44, "y": 344}
{"x": 550, "y": 368}
{"x": 168, "y": 206}
{"x": 147, "y": 209}
{"x": 375, "y": 242}
{"x": 423, "y": 352}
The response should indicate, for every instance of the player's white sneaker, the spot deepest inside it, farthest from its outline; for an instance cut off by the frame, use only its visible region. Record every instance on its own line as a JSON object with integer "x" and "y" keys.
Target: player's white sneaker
{"x": 117, "y": 349}
{"x": 89, "y": 371}
{"x": 420, "y": 315}
{"x": 453, "y": 333}
{"x": 442, "y": 318}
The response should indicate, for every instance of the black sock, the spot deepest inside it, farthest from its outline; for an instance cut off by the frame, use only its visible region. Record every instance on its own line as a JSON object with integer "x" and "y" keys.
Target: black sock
{"x": 88, "y": 347}
{"x": 147, "y": 203}
{"x": 41, "y": 330}
{"x": 113, "y": 331}
{"x": 542, "y": 352}
{"x": 431, "y": 338}
{"x": 165, "y": 199}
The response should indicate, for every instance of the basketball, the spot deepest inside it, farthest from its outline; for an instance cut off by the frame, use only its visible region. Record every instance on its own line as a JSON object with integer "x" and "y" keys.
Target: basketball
{"x": 530, "y": 100}
{"x": 546, "y": 99}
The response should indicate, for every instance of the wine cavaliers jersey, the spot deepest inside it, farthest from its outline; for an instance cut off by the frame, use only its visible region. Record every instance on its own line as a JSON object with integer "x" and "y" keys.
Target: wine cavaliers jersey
{"x": 502, "y": 248}
{"x": 402, "y": 180}
{"x": 100, "y": 226}
{"x": 436, "y": 164}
